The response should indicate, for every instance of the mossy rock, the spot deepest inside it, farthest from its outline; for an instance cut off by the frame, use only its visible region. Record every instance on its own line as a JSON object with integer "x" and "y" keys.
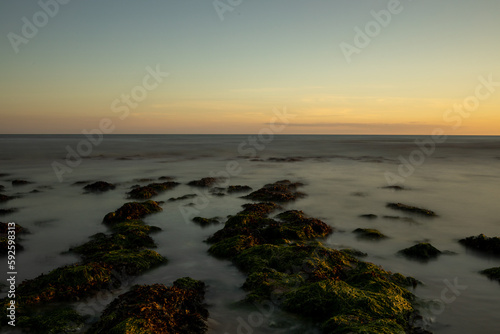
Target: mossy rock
{"x": 99, "y": 187}
{"x": 151, "y": 190}
{"x": 411, "y": 209}
{"x": 206, "y": 221}
{"x": 421, "y": 251}
{"x": 134, "y": 226}
{"x": 132, "y": 211}
{"x": 492, "y": 273}
{"x": 132, "y": 262}
{"x": 230, "y": 247}
{"x": 68, "y": 283}
{"x": 369, "y": 233}
{"x": 238, "y": 189}
{"x": 131, "y": 240}
{"x": 281, "y": 191}
{"x": 353, "y": 252}
{"x": 204, "y": 182}
{"x": 55, "y": 321}
{"x": 156, "y": 309}
{"x": 362, "y": 324}
{"x": 483, "y": 244}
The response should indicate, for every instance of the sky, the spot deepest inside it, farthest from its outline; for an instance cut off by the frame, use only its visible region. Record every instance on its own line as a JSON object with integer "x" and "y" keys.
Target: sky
{"x": 229, "y": 66}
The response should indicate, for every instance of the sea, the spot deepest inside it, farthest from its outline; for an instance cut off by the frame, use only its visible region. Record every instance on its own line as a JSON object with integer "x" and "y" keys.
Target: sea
{"x": 344, "y": 177}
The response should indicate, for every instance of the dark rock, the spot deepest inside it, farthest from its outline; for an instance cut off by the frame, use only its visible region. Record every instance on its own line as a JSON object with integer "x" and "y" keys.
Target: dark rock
{"x": 206, "y": 221}
{"x": 99, "y": 187}
{"x": 188, "y": 196}
{"x": 4, "y": 212}
{"x": 2, "y": 188}
{"x": 412, "y": 209}
{"x": 157, "y": 309}
{"x": 81, "y": 183}
{"x": 492, "y": 273}
{"x": 369, "y": 216}
{"x": 166, "y": 178}
{"x": 5, "y": 198}
{"x": 20, "y": 182}
{"x": 483, "y": 243}
{"x": 289, "y": 159}
{"x": 58, "y": 320}
{"x": 281, "y": 191}
{"x": 353, "y": 252}
{"x": 237, "y": 189}
{"x": 397, "y": 188}
{"x": 151, "y": 190}
{"x": 368, "y": 233}
{"x": 421, "y": 251}
{"x": 204, "y": 182}
{"x": 132, "y": 211}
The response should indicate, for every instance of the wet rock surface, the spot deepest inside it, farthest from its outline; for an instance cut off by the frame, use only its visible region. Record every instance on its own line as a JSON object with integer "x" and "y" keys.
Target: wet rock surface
{"x": 411, "y": 209}
{"x": 206, "y": 221}
{"x": 151, "y": 190}
{"x": 204, "y": 182}
{"x": 483, "y": 244}
{"x": 281, "y": 191}
{"x": 421, "y": 251}
{"x": 369, "y": 234}
{"x": 99, "y": 187}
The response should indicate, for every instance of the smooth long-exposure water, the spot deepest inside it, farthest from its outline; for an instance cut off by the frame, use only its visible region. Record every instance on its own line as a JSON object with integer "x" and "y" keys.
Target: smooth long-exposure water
{"x": 344, "y": 177}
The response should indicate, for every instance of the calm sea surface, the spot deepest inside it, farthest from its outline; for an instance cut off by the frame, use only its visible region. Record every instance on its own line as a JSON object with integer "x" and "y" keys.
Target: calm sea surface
{"x": 344, "y": 177}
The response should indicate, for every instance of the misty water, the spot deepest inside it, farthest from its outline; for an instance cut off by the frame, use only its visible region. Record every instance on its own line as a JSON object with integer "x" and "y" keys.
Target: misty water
{"x": 343, "y": 178}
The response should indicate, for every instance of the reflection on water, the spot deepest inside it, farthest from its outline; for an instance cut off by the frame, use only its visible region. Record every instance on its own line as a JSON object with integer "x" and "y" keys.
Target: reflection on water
{"x": 343, "y": 177}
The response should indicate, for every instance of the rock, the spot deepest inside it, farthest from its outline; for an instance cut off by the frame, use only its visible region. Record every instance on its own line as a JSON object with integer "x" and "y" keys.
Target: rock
{"x": 353, "y": 252}
{"x": 99, "y": 187}
{"x": 492, "y": 273}
{"x": 166, "y": 178}
{"x": 58, "y": 320}
{"x": 412, "y": 209}
{"x": 4, "y": 212}
{"x": 151, "y": 190}
{"x": 368, "y": 233}
{"x": 2, "y": 188}
{"x": 369, "y": 216}
{"x": 5, "y": 198}
{"x": 204, "y": 182}
{"x": 132, "y": 211}
{"x": 421, "y": 251}
{"x": 20, "y": 182}
{"x": 397, "y": 188}
{"x": 188, "y": 196}
{"x": 483, "y": 244}
{"x": 206, "y": 221}
{"x": 157, "y": 309}
{"x": 238, "y": 189}
{"x": 281, "y": 191}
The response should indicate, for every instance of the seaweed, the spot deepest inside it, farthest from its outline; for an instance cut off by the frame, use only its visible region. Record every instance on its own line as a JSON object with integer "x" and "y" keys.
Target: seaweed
{"x": 157, "y": 309}
{"x": 132, "y": 211}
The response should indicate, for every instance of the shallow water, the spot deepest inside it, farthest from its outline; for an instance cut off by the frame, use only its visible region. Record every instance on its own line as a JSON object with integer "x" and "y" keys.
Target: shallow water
{"x": 343, "y": 177}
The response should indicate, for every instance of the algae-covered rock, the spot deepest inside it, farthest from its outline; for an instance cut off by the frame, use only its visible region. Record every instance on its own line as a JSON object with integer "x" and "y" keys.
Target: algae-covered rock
{"x": 421, "y": 251}
{"x": 281, "y": 191}
{"x": 411, "y": 209}
{"x": 483, "y": 243}
{"x": 68, "y": 283}
{"x": 353, "y": 252}
{"x": 492, "y": 273}
{"x": 99, "y": 187}
{"x": 157, "y": 309}
{"x": 369, "y": 233}
{"x": 131, "y": 262}
{"x": 151, "y": 190}
{"x": 238, "y": 189}
{"x": 132, "y": 211}
{"x": 188, "y": 196}
{"x": 204, "y": 182}
{"x": 55, "y": 321}
{"x": 206, "y": 221}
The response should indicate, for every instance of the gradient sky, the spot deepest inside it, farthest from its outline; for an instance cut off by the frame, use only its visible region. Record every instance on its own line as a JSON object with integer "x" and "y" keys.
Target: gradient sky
{"x": 227, "y": 76}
